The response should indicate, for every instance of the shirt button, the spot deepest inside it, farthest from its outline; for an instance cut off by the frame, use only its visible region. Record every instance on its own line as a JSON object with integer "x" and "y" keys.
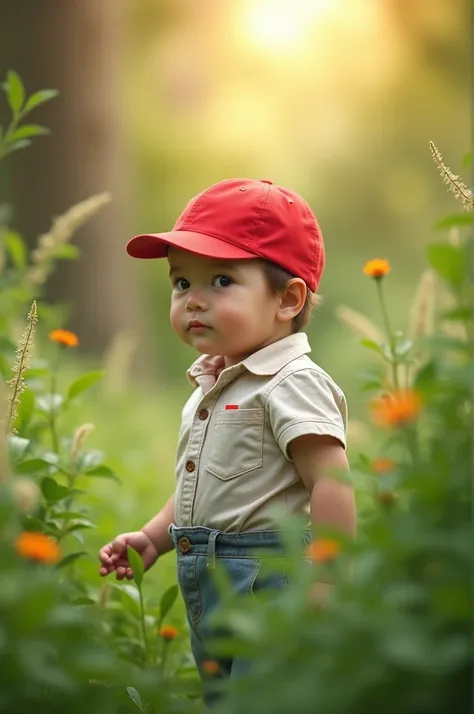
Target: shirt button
{"x": 190, "y": 466}
{"x": 203, "y": 414}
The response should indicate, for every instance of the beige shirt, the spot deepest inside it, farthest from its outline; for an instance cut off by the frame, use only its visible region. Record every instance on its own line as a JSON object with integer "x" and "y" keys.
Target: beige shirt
{"x": 233, "y": 467}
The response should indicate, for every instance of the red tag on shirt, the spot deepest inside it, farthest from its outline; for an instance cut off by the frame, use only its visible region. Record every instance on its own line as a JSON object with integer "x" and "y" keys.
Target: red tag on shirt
{"x": 231, "y": 406}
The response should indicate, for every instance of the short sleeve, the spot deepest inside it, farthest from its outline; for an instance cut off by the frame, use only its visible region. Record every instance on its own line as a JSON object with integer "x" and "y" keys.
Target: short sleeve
{"x": 306, "y": 402}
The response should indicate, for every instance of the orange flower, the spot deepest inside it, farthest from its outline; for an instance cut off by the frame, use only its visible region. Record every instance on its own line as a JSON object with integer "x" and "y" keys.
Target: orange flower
{"x": 168, "y": 632}
{"x": 396, "y": 409}
{"x": 323, "y": 550}
{"x": 383, "y": 465}
{"x": 64, "y": 337}
{"x": 210, "y": 666}
{"x": 37, "y": 546}
{"x": 377, "y": 268}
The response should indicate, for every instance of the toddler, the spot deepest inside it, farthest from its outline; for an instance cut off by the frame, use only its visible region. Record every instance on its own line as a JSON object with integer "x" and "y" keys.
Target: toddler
{"x": 265, "y": 427}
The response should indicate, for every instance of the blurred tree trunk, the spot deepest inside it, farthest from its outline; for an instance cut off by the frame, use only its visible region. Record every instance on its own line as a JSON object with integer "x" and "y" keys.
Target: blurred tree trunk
{"x": 75, "y": 46}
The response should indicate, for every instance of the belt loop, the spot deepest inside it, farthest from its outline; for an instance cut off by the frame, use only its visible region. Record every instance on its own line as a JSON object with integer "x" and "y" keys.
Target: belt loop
{"x": 211, "y": 550}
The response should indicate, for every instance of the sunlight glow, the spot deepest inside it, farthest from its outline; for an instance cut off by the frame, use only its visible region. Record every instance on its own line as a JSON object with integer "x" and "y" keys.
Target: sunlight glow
{"x": 283, "y": 23}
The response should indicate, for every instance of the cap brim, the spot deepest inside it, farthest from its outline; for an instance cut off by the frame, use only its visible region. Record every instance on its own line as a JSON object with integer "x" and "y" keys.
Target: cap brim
{"x": 155, "y": 245}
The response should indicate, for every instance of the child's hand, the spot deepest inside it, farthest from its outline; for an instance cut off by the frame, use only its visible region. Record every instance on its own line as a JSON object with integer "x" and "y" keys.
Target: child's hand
{"x": 114, "y": 556}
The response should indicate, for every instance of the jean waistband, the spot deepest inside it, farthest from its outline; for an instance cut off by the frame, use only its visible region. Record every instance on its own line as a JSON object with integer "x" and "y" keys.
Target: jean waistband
{"x": 198, "y": 540}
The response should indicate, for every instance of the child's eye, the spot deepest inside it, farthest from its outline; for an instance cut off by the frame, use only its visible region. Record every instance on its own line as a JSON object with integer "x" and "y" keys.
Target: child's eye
{"x": 181, "y": 284}
{"x": 222, "y": 281}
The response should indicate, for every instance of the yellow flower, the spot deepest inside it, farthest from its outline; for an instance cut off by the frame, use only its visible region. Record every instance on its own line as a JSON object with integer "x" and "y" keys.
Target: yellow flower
{"x": 210, "y": 666}
{"x": 377, "y": 268}
{"x": 37, "y": 546}
{"x": 168, "y": 632}
{"x": 383, "y": 465}
{"x": 64, "y": 337}
{"x": 396, "y": 409}
{"x": 323, "y": 550}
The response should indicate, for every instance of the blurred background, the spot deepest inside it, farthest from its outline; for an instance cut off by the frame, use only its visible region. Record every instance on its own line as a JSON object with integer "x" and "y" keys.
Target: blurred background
{"x": 336, "y": 99}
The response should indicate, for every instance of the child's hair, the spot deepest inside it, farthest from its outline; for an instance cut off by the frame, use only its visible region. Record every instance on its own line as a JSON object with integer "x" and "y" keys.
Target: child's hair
{"x": 277, "y": 280}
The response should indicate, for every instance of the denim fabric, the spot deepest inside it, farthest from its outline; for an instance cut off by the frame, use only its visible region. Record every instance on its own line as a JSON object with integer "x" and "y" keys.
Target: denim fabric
{"x": 236, "y": 554}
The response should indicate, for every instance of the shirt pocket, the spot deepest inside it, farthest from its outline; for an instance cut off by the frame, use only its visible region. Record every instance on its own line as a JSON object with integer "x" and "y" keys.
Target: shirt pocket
{"x": 236, "y": 445}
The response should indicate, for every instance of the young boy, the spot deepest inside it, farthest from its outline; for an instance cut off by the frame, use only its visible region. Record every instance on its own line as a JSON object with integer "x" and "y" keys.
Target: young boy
{"x": 264, "y": 426}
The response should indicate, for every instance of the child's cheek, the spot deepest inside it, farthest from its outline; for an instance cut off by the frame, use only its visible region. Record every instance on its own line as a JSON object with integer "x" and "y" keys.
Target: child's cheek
{"x": 176, "y": 322}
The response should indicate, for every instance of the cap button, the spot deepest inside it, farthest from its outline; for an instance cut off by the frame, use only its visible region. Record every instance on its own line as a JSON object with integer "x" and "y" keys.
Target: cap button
{"x": 267, "y": 181}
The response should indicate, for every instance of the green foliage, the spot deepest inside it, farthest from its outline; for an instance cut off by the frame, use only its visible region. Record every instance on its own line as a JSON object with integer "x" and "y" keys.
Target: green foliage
{"x": 65, "y": 643}
{"x": 395, "y": 636}
{"x": 19, "y": 137}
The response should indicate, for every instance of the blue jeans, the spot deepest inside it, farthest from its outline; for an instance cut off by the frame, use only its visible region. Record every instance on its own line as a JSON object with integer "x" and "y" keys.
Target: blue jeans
{"x": 198, "y": 550}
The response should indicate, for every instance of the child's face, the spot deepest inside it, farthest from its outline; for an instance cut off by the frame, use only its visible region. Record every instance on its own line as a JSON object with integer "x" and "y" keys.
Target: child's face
{"x": 222, "y": 307}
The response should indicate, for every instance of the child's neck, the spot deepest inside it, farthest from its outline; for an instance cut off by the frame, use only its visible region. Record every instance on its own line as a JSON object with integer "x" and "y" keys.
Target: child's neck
{"x": 230, "y": 360}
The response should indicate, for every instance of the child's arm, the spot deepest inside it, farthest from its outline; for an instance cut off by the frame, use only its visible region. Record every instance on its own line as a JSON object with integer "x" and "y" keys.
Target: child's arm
{"x": 157, "y": 528}
{"x": 319, "y": 460}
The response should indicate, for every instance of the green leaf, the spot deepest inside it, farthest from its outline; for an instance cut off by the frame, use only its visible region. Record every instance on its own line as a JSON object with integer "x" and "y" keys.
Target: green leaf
{"x": 53, "y": 491}
{"x": 15, "y": 91}
{"x": 103, "y": 472}
{"x": 27, "y": 130}
{"x": 32, "y": 523}
{"x": 402, "y": 348}
{"x": 50, "y": 404}
{"x": 17, "y": 446}
{"x": 84, "y": 382}
{"x": 135, "y": 697}
{"x": 449, "y": 262}
{"x": 21, "y": 144}
{"x": 89, "y": 460}
{"x": 71, "y": 558}
{"x": 16, "y": 249}
{"x": 136, "y": 563}
{"x": 462, "y": 313}
{"x": 167, "y": 601}
{"x": 372, "y": 345}
{"x": 32, "y": 466}
{"x": 83, "y": 525}
{"x": 83, "y": 600}
{"x": 44, "y": 95}
{"x": 67, "y": 515}
{"x": 426, "y": 377}
{"x": 455, "y": 220}
{"x": 468, "y": 159}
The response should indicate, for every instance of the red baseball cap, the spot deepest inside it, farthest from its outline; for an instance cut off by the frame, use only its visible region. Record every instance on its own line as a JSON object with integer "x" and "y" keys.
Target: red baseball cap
{"x": 241, "y": 219}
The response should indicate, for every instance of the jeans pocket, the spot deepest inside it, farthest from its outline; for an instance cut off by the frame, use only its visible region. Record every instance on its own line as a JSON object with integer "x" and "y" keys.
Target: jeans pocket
{"x": 269, "y": 579}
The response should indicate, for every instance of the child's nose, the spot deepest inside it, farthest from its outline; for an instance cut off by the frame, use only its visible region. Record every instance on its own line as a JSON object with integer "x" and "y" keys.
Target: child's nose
{"x": 196, "y": 301}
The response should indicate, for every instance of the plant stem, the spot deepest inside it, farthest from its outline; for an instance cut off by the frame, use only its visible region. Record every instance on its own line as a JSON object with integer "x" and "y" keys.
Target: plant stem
{"x": 143, "y": 625}
{"x": 164, "y": 656}
{"x": 412, "y": 443}
{"x": 52, "y": 412}
{"x": 390, "y": 335}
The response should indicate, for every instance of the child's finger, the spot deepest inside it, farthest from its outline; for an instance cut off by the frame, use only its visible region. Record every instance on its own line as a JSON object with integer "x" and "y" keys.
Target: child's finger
{"x": 119, "y": 547}
{"x": 121, "y": 563}
{"x": 105, "y": 554}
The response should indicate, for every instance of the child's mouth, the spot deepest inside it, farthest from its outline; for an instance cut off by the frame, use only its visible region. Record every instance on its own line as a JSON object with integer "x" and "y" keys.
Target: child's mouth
{"x": 196, "y": 326}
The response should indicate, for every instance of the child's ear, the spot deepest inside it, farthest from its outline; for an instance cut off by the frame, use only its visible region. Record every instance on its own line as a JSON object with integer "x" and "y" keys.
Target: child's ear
{"x": 292, "y": 300}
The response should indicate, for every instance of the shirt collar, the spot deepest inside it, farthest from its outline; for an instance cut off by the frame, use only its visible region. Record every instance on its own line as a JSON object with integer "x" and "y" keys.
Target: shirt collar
{"x": 205, "y": 371}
